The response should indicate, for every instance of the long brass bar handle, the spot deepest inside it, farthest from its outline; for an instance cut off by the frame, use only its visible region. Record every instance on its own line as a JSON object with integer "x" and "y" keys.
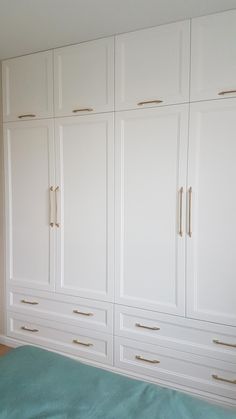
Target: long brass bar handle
{"x": 218, "y": 342}
{"x": 226, "y": 92}
{"x": 149, "y": 102}
{"x": 147, "y": 327}
{"x": 29, "y": 115}
{"x": 216, "y": 377}
{"x": 78, "y": 342}
{"x": 51, "y": 221}
{"x": 181, "y": 191}
{"x": 83, "y": 313}
{"x": 33, "y": 303}
{"x": 82, "y": 110}
{"x": 29, "y": 330}
{"x": 151, "y": 361}
{"x": 190, "y": 191}
{"x": 57, "y": 224}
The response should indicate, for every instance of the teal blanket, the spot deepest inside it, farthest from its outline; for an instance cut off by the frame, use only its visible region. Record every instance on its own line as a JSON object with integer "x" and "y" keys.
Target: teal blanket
{"x": 35, "y": 383}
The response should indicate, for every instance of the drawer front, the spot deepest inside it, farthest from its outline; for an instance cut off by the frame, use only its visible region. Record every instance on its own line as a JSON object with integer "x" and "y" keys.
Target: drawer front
{"x": 197, "y": 337}
{"x": 205, "y": 374}
{"x": 70, "y": 339}
{"x": 77, "y": 311}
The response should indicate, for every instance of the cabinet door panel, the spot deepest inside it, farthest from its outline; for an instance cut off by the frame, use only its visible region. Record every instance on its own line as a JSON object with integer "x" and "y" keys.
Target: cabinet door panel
{"x": 151, "y": 148}
{"x": 84, "y": 77}
{"x": 29, "y": 173}
{"x": 153, "y": 64}
{"x": 28, "y": 87}
{"x": 211, "y": 249}
{"x": 213, "y": 62}
{"x": 85, "y": 152}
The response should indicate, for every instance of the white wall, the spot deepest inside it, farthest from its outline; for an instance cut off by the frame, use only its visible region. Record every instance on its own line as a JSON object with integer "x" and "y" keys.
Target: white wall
{"x": 1, "y": 219}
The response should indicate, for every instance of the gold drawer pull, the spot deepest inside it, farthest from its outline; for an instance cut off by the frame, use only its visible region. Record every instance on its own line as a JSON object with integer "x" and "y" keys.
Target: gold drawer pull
{"x": 218, "y": 342}
{"x": 51, "y": 221}
{"x": 82, "y": 313}
{"x": 29, "y": 330}
{"x": 29, "y": 115}
{"x": 226, "y": 92}
{"x": 148, "y": 102}
{"x": 78, "y": 342}
{"x": 216, "y": 377}
{"x": 147, "y": 327}
{"x": 57, "y": 224}
{"x": 33, "y": 303}
{"x": 151, "y": 361}
{"x": 82, "y": 110}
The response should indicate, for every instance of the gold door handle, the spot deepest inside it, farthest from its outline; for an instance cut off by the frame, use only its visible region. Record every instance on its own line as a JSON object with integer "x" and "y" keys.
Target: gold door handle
{"x": 57, "y": 224}
{"x": 149, "y": 102}
{"x": 190, "y": 191}
{"x": 82, "y": 313}
{"x": 181, "y": 191}
{"x": 33, "y": 303}
{"x": 29, "y": 115}
{"x": 27, "y": 329}
{"x": 151, "y": 361}
{"x": 218, "y": 342}
{"x": 82, "y": 110}
{"x": 78, "y": 342}
{"x": 225, "y": 380}
{"x": 147, "y": 327}
{"x": 51, "y": 222}
{"x": 226, "y": 92}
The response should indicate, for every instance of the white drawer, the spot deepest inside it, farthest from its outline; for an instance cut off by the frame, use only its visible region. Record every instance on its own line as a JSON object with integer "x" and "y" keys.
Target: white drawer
{"x": 173, "y": 366}
{"x": 70, "y": 339}
{"x": 207, "y": 339}
{"x": 90, "y": 314}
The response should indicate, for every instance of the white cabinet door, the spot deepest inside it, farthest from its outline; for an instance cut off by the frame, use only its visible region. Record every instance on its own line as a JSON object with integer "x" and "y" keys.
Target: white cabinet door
{"x": 211, "y": 249}
{"x": 84, "y": 78}
{"x": 152, "y": 66}
{"x": 28, "y": 87}
{"x": 213, "y": 62}
{"x": 151, "y": 149}
{"x": 85, "y": 178}
{"x": 29, "y": 166}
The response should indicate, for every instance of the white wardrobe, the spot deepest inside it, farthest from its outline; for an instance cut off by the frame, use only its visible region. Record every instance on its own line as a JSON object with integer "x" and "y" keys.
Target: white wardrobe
{"x": 120, "y": 163}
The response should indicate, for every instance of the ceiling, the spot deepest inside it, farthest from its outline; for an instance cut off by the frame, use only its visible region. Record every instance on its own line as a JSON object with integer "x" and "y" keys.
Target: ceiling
{"x": 34, "y": 25}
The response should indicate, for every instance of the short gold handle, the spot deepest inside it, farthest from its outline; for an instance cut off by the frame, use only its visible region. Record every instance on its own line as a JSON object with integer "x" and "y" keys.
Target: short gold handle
{"x": 78, "y": 342}
{"x": 181, "y": 191}
{"x": 82, "y": 110}
{"x": 148, "y": 102}
{"x": 151, "y": 361}
{"x": 82, "y": 313}
{"x": 190, "y": 211}
{"x": 218, "y": 342}
{"x": 29, "y": 115}
{"x": 33, "y": 303}
{"x": 29, "y": 330}
{"x": 147, "y": 327}
{"x": 226, "y": 92}
{"x": 51, "y": 222}
{"x": 57, "y": 224}
{"x": 216, "y": 377}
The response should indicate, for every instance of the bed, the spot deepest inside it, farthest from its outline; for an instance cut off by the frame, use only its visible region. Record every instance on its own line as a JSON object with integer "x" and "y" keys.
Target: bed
{"x": 35, "y": 383}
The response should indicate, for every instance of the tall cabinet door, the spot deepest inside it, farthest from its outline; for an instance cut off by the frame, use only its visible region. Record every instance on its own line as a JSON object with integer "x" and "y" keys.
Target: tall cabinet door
{"x": 29, "y": 168}
{"x": 213, "y": 62}
{"x": 151, "y": 152}
{"x": 211, "y": 248}
{"x": 85, "y": 223}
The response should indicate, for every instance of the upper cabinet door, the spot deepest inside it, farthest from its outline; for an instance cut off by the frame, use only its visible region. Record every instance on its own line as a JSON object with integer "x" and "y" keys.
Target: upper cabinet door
{"x": 152, "y": 66}
{"x": 151, "y": 153}
{"x": 211, "y": 249}
{"x": 213, "y": 61}
{"x": 84, "y": 78}
{"x": 28, "y": 87}
{"x": 85, "y": 179}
